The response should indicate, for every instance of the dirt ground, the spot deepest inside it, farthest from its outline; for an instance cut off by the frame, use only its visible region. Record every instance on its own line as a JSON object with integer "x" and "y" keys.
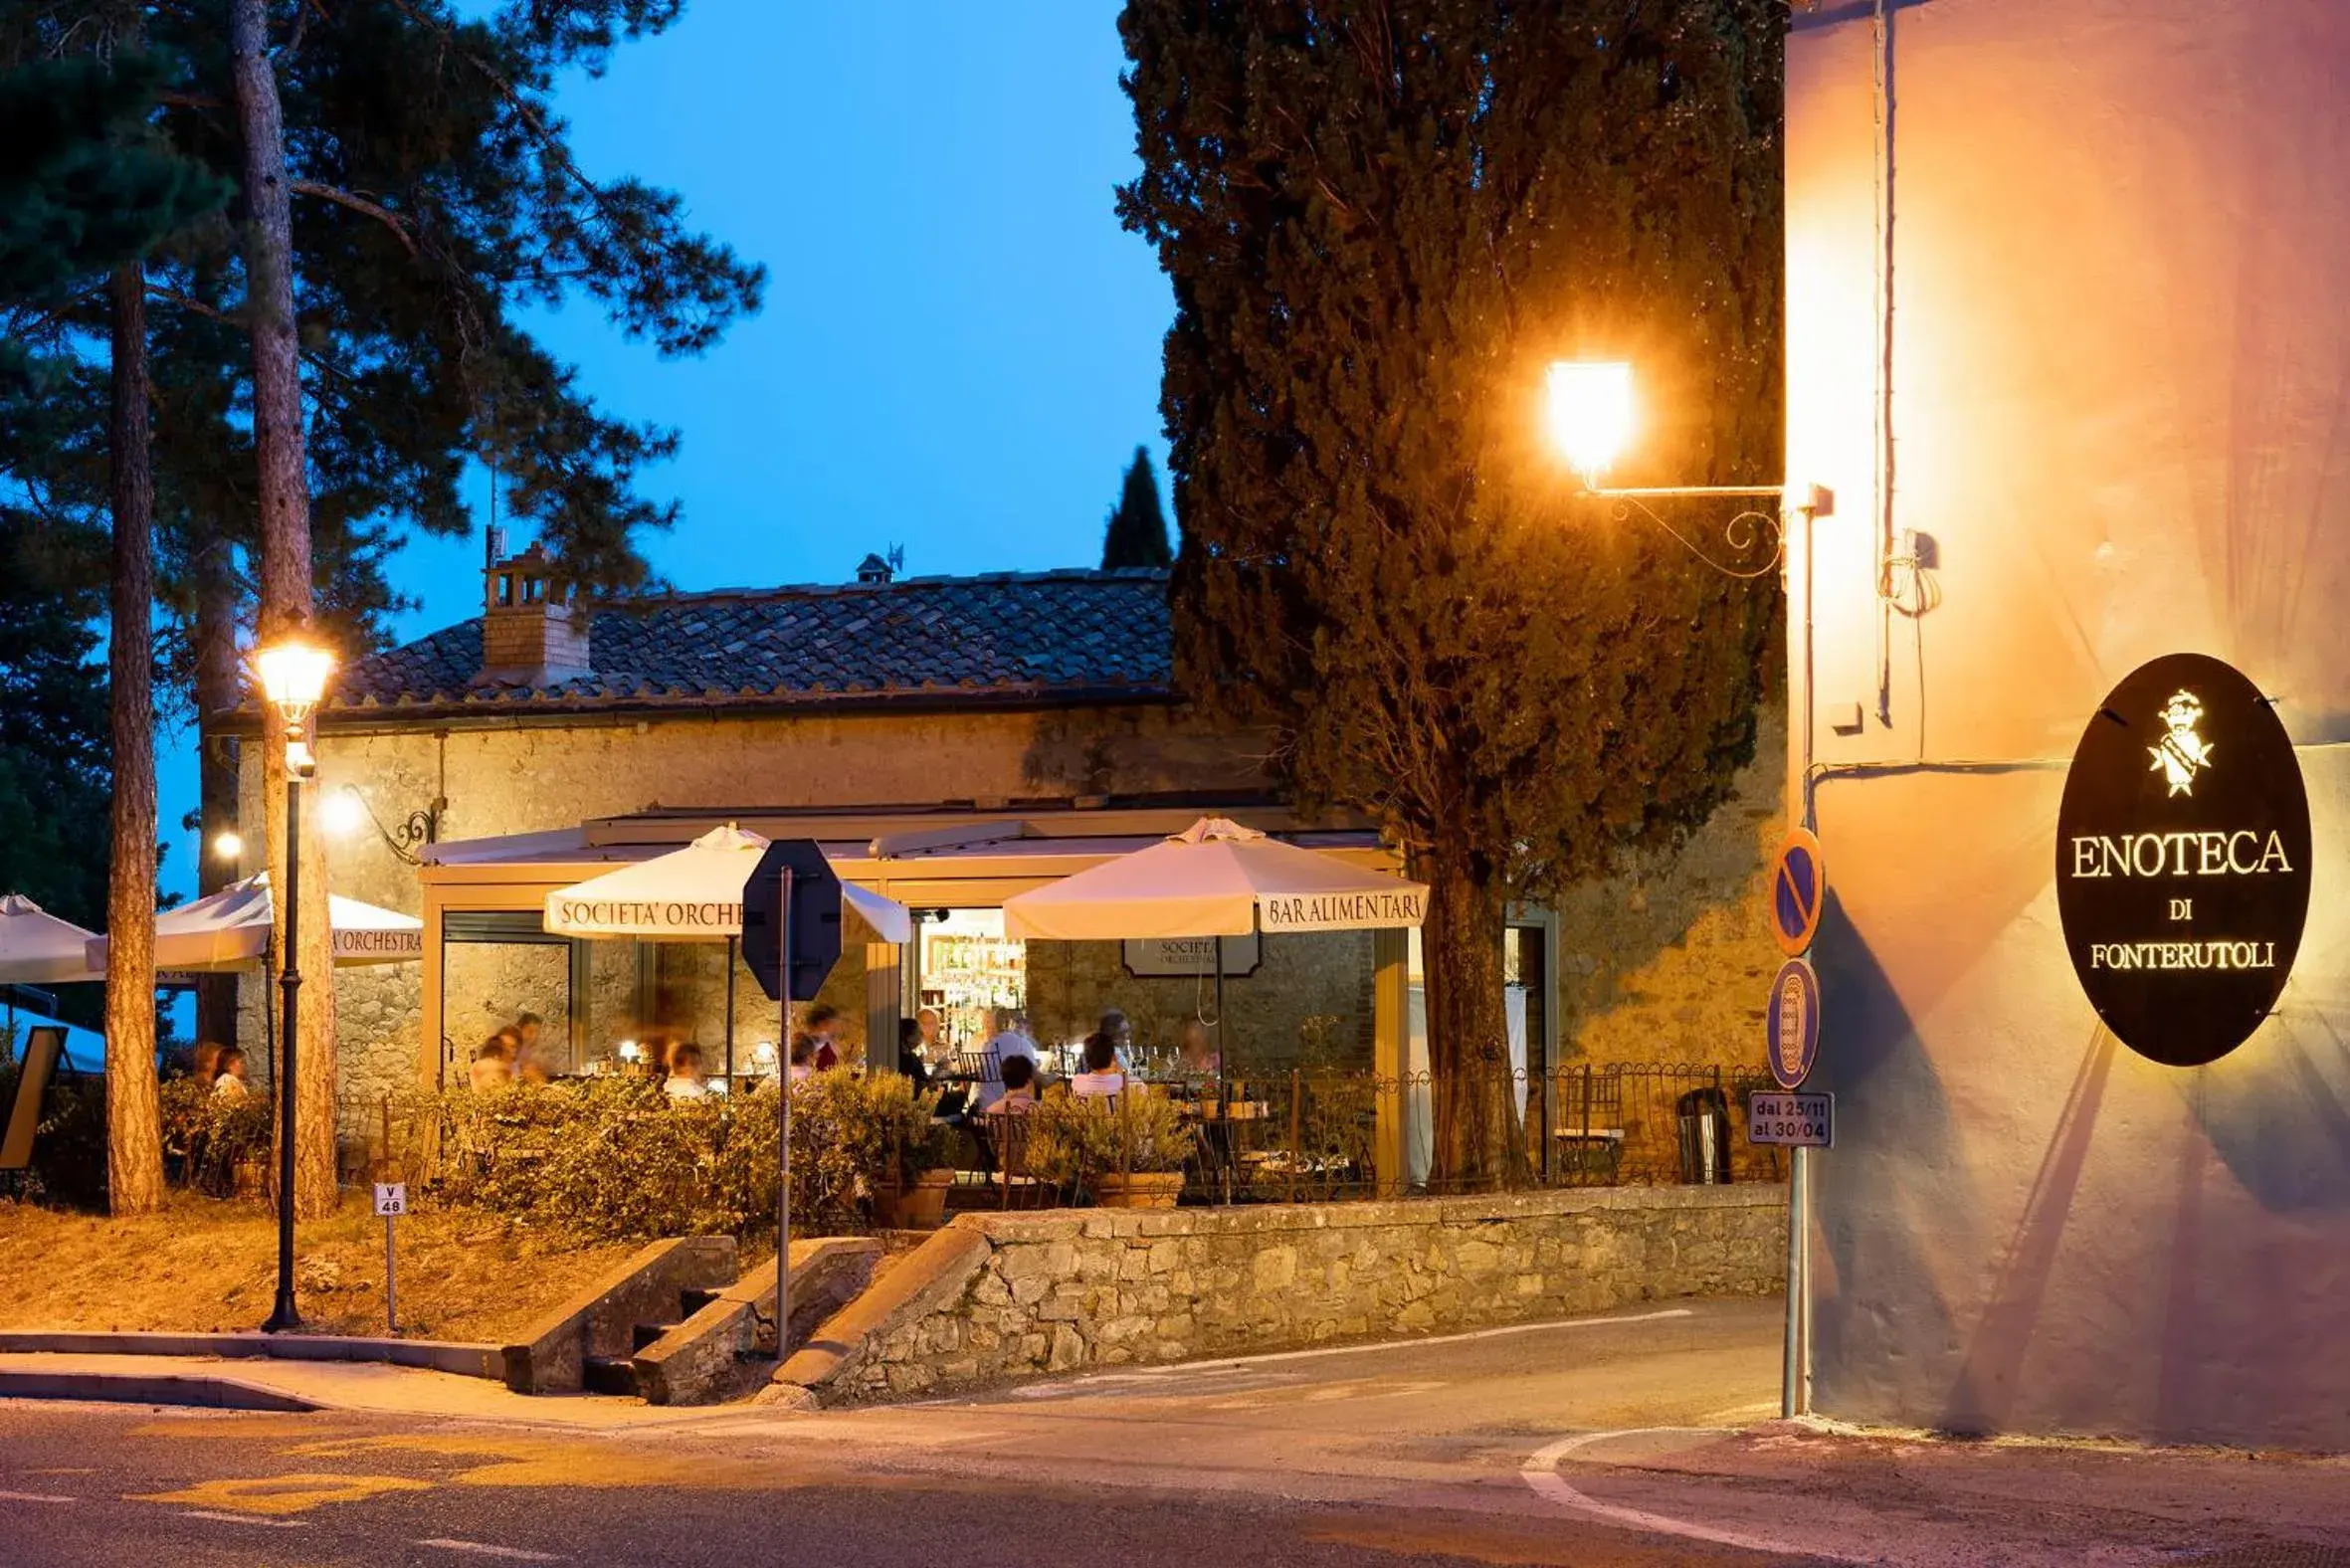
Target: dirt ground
{"x": 206, "y": 1265}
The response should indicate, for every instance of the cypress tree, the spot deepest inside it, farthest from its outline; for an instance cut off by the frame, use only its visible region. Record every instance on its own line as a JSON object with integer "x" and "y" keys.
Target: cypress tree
{"x": 1382, "y": 222}
{"x": 1137, "y": 531}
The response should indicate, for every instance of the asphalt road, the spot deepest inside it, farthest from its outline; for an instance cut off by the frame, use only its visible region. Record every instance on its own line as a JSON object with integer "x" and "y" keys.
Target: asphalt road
{"x": 1500, "y": 1448}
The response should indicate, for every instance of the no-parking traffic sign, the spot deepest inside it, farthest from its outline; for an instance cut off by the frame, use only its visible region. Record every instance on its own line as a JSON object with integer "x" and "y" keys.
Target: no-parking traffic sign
{"x": 1799, "y": 889}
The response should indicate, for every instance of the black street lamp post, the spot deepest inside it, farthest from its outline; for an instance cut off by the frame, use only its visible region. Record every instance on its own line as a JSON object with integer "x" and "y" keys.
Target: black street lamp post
{"x": 293, "y": 676}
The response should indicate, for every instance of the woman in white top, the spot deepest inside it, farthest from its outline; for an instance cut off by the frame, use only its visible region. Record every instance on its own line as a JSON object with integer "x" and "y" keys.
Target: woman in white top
{"x": 1101, "y": 1079}
{"x": 230, "y": 1083}
{"x": 684, "y": 1080}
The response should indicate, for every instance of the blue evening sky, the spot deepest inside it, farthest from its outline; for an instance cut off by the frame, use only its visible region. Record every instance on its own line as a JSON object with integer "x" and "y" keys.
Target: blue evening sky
{"x": 960, "y": 347}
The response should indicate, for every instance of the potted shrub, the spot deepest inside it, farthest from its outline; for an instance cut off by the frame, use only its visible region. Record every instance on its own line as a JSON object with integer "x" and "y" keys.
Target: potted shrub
{"x": 910, "y": 1187}
{"x": 1130, "y": 1155}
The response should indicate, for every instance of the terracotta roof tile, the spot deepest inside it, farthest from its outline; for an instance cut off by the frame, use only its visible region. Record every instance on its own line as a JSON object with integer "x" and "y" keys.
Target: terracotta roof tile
{"x": 1005, "y": 635}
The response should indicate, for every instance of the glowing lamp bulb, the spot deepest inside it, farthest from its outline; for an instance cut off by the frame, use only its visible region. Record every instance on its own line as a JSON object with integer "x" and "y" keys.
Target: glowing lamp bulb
{"x": 764, "y": 1053}
{"x": 343, "y": 812}
{"x": 630, "y": 1051}
{"x": 1591, "y": 414}
{"x": 227, "y": 845}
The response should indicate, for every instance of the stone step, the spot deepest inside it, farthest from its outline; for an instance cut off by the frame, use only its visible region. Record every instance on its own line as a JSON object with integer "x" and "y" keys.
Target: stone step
{"x": 609, "y": 1375}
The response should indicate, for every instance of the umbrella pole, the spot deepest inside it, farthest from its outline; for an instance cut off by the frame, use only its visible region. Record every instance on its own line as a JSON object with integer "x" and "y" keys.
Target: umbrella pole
{"x": 1231, "y": 1152}
{"x": 732, "y": 942}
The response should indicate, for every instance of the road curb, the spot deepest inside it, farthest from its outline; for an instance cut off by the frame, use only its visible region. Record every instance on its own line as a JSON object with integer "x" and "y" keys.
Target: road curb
{"x": 437, "y": 1355}
{"x": 200, "y": 1391}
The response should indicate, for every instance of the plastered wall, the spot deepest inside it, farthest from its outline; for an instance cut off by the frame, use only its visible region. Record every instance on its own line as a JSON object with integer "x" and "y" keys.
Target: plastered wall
{"x": 2120, "y": 412}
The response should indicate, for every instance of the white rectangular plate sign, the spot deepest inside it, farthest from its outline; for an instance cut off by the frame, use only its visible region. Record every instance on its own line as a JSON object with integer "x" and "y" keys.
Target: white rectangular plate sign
{"x": 1793, "y": 1120}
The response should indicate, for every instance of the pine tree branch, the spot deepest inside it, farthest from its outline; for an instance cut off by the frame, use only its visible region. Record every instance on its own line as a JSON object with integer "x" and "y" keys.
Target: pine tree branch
{"x": 548, "y": 142}
{"x": 359, "y": 204}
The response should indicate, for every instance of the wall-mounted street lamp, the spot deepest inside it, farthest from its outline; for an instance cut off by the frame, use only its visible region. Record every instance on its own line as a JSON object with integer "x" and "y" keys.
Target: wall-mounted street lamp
{"x": 1593, "y": 416}
{"x": 228, "y": 845}
{"x": 294, "y": 671}
{"x": 1593, "y": 413}
{"x": 348, "y": 810}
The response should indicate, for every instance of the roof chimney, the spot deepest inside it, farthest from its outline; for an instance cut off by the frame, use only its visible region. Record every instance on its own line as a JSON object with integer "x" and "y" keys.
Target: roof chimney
{"x": 531, "y": 633}
{"x": 873, "y": 571}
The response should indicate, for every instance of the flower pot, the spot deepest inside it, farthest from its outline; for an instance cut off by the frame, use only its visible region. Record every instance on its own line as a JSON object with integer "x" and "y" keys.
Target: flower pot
{"x": 921, "y": 1207}
{"x": 1138, "y": 1189}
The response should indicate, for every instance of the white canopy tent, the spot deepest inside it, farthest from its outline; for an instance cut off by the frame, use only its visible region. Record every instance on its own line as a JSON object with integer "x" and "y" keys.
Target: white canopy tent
{"x": 38, "y": 948}
{"x": 694, "y": 895}
{"x": 1215, "y": 878}
{"x": 230, "y": 930}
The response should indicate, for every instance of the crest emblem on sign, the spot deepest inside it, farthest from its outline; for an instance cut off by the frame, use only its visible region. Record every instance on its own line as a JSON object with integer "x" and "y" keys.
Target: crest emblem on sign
{"x": 2182, "y": 753}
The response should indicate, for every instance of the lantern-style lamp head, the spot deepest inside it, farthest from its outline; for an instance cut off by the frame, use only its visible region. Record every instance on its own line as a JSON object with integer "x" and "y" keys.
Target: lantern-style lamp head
{"x": 293, "y": 673}
{"x": 763, "y": 1053}
{"x": 1590, "y": 413}
{"x": 227, "y": 845}
{"x": 630, "y": 1052}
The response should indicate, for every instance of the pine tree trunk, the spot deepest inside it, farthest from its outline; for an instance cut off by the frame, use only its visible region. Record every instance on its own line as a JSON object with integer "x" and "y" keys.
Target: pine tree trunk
{"x": 135, "y": 1133}
{"x": 284, "y": 580}
{"x": 1478, "y": 1143}
{"x": 219, "y": 690}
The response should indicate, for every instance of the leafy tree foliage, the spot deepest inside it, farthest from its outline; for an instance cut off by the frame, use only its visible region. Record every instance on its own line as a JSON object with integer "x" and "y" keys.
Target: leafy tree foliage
{"x": 1382, "y": 219}
{"x": 1137, "y": 532}
{"x": 84, "y": 186}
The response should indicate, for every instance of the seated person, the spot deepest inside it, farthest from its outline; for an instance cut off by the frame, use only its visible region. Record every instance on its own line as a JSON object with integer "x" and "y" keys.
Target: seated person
{"x": 823, "y": 1025}
{"x": 1198, "y": 1057}
{"x": 228, "y": 1080}
{"x": 803, "y": 1058}
{"x": 1115, "y": 1029}
{"x": 1101, "y": 1079}
{"x": 494, "y": 1063}
{"x": 685, "y": 1078}
{"x": 1020, "y": 1088}
{"x": 909, "y": 1054}
{"x": 1009, "y": 1040}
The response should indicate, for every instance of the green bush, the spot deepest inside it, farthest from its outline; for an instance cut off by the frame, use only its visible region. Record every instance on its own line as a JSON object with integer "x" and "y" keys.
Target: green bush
{"x": 1072, "y": 1142}
{"x": 209, "y": 1137}
{"x": 617, "y": 1158}
{"x": 70, "y": 1141}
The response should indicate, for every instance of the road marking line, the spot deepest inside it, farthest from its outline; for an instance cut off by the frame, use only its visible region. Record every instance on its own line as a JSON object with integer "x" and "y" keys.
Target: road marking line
{"x": 242, "y": 1518}
{"x": 34, "y": 1497}
{"x": 1163, "y": 1374}
{"x": 1540, "y": 1471}
{"x": 484, "y": 1549}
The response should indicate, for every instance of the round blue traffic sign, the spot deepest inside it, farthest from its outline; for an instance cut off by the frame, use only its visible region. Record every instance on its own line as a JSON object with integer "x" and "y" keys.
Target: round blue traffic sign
{"x": 1792, "y": 1022}
{"x": 1798, "y": 887}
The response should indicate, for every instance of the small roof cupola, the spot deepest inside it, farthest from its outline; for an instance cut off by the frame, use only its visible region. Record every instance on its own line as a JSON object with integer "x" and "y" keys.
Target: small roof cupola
{"x": 532, "y": 635}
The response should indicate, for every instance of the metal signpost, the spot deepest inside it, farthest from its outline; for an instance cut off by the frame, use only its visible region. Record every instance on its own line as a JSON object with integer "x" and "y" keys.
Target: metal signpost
{"x": 1791, "y": 1021}
{"x": 391, "y": 1201}
{"x": 791, "y": 938}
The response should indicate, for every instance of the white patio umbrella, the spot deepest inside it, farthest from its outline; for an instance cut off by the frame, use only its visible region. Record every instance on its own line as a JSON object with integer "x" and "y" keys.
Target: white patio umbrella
{"x": 1215, "y": 878}
{"x": 694, "y": 895}
{"x": 38, "y": 948}
{"x": 231, "y": 931}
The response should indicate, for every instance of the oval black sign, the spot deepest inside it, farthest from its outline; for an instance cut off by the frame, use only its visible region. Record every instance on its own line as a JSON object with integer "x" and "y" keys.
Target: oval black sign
{"x": 2182, "y": 859}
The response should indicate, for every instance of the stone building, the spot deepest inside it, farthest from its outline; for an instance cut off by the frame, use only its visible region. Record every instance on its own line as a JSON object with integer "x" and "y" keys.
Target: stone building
{"x": 951, "y": 741}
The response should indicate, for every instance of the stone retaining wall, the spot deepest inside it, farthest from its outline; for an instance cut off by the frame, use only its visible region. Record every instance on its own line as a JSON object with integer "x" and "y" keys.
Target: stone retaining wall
{"x": 1060, "y": 1291}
